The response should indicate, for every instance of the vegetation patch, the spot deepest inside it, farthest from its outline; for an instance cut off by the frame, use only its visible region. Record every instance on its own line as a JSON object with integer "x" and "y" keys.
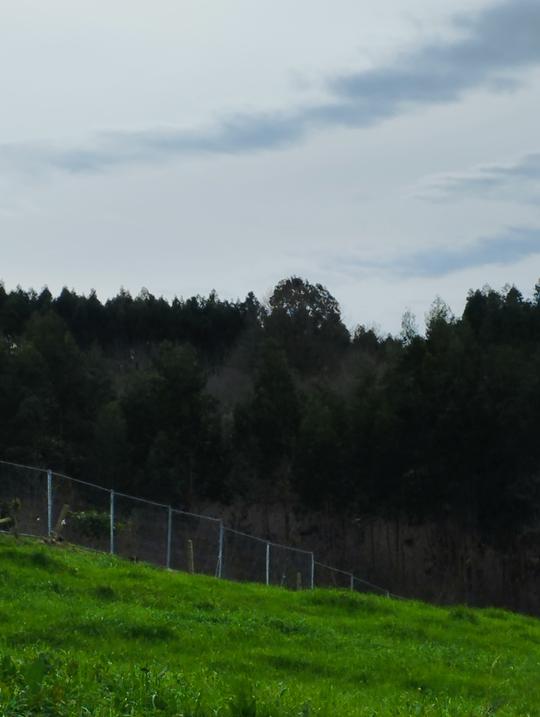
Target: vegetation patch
{"x": 105, "y": 592}
{"x": 464, "y": 613}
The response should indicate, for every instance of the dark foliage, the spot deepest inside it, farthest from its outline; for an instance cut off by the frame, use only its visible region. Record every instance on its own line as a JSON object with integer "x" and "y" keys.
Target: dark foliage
{"x": 207, "y": 399}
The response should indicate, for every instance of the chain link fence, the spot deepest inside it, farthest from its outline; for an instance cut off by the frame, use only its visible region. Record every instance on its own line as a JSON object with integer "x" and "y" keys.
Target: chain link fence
{"x": 45, "y": 504}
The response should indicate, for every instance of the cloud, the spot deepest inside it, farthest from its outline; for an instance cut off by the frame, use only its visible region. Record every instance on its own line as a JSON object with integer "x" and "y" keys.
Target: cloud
{"x": 514, "y": 244}
{"x": 520, "y": 180}
{"x": 491, "y": 48}
{"x": 496, "y": 42}
{"x": 233, "y": 135}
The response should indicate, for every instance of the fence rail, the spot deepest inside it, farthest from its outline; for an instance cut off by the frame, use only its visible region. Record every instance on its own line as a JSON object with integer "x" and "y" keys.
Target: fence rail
{"x": 46, "y": 504}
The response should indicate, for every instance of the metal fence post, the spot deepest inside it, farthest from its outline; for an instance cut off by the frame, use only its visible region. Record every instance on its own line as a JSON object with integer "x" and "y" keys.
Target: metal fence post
{"x": 112, "y": 523}
{"x": 352, "y": 582}
{"x": 268, "y": 563}
{"x": 169, "y": 537}
{"x": 219, "y": 571}
{"x": 49, "y": 503}
{"x": 312, "y": 581}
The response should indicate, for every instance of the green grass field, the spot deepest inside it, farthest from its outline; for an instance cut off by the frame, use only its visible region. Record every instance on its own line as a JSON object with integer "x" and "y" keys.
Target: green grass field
{"x": 88, "y": 634}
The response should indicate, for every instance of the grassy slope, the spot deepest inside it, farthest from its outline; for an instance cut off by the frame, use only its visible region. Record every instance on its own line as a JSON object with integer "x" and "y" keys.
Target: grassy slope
{"x": 87, "y": 634}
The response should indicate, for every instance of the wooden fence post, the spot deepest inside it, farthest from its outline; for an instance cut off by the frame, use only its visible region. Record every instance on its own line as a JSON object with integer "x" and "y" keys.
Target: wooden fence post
{"x": 190, "y": 556}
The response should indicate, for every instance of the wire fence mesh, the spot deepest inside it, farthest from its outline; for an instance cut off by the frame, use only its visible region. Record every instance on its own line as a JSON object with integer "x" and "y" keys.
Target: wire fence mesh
{"x": 140, "y": 529}
{"x": 50, "y": 505}
{"x": 80, "y": 512}
{"x": 28, "y": 487}
{"x": 195, "y": 543}
{"x": 328, "y": 577}
{"x": 244, "y": 557}
{"x": 290, "y": 567}
{"x": 364, "y": 586}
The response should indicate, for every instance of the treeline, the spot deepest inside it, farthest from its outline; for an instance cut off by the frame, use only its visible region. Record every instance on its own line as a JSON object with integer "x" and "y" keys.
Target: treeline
{"x": 209, "y": 399}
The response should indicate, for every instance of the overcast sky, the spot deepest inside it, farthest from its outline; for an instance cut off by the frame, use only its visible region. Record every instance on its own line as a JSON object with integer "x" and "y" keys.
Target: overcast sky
{"x": 388, "y": 150}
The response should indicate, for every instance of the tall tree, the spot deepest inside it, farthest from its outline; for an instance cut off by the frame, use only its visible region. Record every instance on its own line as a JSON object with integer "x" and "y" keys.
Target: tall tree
{"x": 305, "y": 319}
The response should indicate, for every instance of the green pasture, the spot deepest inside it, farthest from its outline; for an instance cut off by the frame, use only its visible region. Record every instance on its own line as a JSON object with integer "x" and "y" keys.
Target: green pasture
{"x": 86, "y": 634}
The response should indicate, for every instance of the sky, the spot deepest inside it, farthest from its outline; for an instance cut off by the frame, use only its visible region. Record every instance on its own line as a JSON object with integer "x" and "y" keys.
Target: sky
{"x": 386, "y": 150}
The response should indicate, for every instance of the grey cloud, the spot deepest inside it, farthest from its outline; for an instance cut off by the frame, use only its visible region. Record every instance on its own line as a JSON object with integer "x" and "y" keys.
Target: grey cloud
{"x": 506, "y": 248}
{"x": 520, "y": 180}
{"x": 234, "y": 135}
{"x": 492, "y": 46}
{"x": 498, "y": 41}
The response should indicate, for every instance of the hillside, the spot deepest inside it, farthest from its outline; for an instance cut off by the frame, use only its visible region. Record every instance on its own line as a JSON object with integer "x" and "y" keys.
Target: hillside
{"x": 423, "y": 446}
{"x": 89, "y": 634}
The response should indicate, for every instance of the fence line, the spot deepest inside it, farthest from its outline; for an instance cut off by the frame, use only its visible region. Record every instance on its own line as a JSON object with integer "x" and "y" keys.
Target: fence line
{"x": 270, "y": 542}
{"x": 141, "y": 500}
{"x": 46, "y": 504}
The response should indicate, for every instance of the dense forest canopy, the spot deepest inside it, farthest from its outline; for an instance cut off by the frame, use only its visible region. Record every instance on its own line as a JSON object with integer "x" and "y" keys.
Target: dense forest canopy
{"x": 210, "y": 399}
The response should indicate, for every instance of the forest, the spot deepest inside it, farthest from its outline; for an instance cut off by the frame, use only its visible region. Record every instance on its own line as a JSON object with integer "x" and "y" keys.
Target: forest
{"x": 203, "y": 398}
